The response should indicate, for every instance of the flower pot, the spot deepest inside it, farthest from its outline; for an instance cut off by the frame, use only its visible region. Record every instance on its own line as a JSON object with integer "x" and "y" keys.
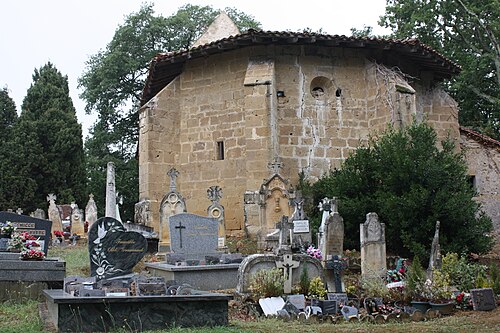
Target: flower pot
{"x": 423, "y": 306}
{"x": 444, "y": 308}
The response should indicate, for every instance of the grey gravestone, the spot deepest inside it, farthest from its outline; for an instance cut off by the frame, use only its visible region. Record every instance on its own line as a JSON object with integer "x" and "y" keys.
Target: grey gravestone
{"x": 299, "y": 301}
{"x": 38, "y": 228}
{"x": 373, "y": 249}
{"x": 483, "y": 299}
{"x": 113, "y": 250}
{"x": 193, "y": 236}
{"x": 349, "y": 312}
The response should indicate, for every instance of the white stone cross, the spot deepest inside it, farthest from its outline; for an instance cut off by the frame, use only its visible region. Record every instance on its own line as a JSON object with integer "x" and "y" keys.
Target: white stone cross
{"x": 275, "y": 166}
{"x": 287, "y": 264}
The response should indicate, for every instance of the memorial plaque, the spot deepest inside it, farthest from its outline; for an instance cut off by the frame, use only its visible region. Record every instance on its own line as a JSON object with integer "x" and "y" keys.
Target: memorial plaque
{"x": 193, "y": 235}
{"x": 300, "y": 226}
{"x": 483, "y": 299}
{"x": 150, "y": 286}
{"x": 113, "y": 250}
{"x": 341, "y": 298}
{"x": 38, "y": 228}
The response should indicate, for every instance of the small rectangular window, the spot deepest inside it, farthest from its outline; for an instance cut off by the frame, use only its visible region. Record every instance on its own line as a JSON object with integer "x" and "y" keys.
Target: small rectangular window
{"x": 220, "y": 150}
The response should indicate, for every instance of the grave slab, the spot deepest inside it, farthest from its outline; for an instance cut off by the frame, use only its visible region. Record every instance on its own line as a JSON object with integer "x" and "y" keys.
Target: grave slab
{"x": 75, "y": 314}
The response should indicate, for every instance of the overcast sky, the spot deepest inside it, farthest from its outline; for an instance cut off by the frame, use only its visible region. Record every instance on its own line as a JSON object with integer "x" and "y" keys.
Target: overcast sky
{"x": 67, "y": 33}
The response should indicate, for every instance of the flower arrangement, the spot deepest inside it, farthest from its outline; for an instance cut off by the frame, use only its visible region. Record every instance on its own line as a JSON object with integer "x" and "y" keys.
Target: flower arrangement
{"x": 317, "y": 288}
{"x": 32, "y": 255}
{"x": 7, "y": 229}
{"x": 59, "y": 234}
{"x": 313, "y": 252}
{"x": 463, "y": 301}
{"x": 32, "y": 244}
{"x": 18, "y": 240}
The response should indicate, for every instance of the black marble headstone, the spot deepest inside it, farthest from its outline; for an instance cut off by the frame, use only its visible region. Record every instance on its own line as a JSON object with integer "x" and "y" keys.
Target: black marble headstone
{"x": 483, "y": 299}
{"x": 113, "y": 250}
{"x": 38, "y": 228}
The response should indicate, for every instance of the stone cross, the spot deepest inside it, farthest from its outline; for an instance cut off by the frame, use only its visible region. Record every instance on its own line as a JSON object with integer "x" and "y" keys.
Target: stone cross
{"x": 51, "y": 198}
{"x": 19, "y": 211}
{"x": 173, "y": 174}
{"x": 275, "y": 166}
{"x": 110, "y": 191}
{"x": 214, "y": 194}
{"x": 287, "y": 264}
{"x": 180, "y": 227}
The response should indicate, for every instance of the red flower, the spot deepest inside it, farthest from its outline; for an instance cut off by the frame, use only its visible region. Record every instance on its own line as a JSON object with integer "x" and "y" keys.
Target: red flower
{"x": 460, "y": 297}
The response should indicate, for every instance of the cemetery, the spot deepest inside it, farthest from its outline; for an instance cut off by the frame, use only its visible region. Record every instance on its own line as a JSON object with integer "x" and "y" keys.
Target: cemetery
{"x": 194, "y": 283}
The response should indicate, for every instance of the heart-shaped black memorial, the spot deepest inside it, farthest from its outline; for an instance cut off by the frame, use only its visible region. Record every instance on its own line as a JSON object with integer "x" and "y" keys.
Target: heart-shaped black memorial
{"x": 113, "y": 250}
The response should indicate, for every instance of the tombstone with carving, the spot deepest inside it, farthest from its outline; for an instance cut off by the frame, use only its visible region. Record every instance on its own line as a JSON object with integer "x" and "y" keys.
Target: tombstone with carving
{"x": 77, "y": 223}
{"x": 54, "y": 214}
{"x": 327, "y": 207}
{"x": 435, "y": 260}
{"x": 373, "y": 252}
{"x": 91, "y": 211}
{"x": 142, "y": 212}
{"x": 216, "y": 211}
{"x": 172, "y": 203}
{"x": 38, "y": 213}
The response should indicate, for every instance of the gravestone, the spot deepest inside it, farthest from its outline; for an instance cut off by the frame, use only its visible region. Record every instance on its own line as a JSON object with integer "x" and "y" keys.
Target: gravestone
{"x": 172, "y": 203}
{"x": 110, "y": 191}
{"x": 298, "y": 301}
{"x": 193, "y": 236}
{"x": 341, "y": 298}
{"x": 287, "y": 264}
{"x": 216, "y": 211}
{"x": 91, "y": 211}
{"x": 271, "y": 305}
{"x": 435, "y": 258}
{"x": 334, "y": 273}
{"x": 483, "y": 299}
{"x": 39, "y": 214}
{"x": 36, "y": 227}
{"x": 285, "y": 232}
{"x": 334, "y": 236}
{"x": 373, "y": 252}
{"x": 77, "y": 223}
{"x": 301, "y": 236}
{"x": 142, "y": 212}
{"x": 54, "y": 214}
{"x": 113, "y": 250}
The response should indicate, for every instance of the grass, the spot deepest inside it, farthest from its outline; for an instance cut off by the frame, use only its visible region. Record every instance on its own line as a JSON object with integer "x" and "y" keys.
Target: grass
{"x": 23, "y": 317}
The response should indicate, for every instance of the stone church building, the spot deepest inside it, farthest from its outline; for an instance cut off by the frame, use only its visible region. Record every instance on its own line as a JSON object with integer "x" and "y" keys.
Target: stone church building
{"x": 249, "y": 111}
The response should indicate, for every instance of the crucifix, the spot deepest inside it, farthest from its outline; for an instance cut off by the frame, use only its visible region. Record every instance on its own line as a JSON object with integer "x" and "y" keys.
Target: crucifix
{"x": 173, "y": 173}
{"x": 338, "y": 266}
{"x": 180, "y": 227}
{"x": 287, "y": 264}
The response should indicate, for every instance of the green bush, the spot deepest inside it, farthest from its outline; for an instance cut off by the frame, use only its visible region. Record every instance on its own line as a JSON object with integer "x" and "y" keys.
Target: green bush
{"x": 463, "y": 274}
{"x": 267, "y": 283}
{"x": 410, "y": 183}
{"x": 317, "y": 288}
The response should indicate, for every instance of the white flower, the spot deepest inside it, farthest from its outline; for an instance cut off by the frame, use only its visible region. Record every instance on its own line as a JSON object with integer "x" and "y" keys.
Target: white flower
{"x": 100, "y": 270}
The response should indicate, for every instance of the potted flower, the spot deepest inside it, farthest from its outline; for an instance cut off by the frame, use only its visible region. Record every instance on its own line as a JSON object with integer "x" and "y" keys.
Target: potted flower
{"x": 59, "y": 235}
{"x": 32, "y": 254}
{"x": 417, "y": 286}
{"x": 17, "y": 242}
{"x": 6, "y": 229}
{"x": 440, "y": 293}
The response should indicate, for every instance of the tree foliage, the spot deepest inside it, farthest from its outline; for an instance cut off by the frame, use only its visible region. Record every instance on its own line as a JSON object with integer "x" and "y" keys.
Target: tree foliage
{"x": 48, "y": 139}
{"x": 112, "y": 87}
{"x": 410, "y": 183}
{"x": 467, "y": 32}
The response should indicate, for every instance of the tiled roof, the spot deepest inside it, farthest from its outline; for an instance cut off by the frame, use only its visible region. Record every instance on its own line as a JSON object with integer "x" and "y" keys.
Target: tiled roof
{"x": 166, "y": 66}
{"x": 481, "y": 138}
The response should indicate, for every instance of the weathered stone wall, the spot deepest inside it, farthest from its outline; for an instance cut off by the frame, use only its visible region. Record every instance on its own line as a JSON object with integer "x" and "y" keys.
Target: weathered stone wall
{"x": 484, "y": 164}
{"x": 334, "y": 99}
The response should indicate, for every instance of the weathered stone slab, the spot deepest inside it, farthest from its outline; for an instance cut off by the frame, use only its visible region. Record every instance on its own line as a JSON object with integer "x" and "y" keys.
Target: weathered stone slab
{"x": 483, "y": 299}
{"x": 113, "y": 250}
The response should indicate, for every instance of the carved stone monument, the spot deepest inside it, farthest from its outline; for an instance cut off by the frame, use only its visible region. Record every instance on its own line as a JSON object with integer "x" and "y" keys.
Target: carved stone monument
{"x": 216, "y": 211}
{"x": 435, "y": 258}
{"x": 113, "y": 250}
{"x": 91, "y": 211}
{"x": 172, "y": 203}
{"x": 373, "y": 252}
{"x": 54, "y": 214}
{"x": 327, "y": 206}
{"x": 287, "y": 263}
{"x": 39, "y": 214}
{"x": 142, "y": 213}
